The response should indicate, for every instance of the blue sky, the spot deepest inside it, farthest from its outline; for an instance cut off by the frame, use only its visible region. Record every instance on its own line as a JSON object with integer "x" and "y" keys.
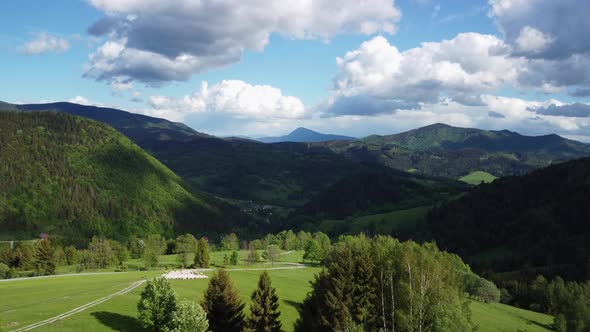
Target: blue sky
{"x": 270, "y": 68}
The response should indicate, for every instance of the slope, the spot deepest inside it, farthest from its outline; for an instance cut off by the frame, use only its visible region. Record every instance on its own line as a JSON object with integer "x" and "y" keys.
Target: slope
{"x": 539, "y": 222}
{"x": 75, "y": 178}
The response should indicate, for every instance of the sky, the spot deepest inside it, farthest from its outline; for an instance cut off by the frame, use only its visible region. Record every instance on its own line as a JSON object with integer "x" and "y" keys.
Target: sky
{"x": 266, "y": 67}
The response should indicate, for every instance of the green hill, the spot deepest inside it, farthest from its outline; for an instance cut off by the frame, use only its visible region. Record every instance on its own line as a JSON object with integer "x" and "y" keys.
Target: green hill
{"x": 75, "y": 178}
{"x": 443, "y": 150}
{"x": 538, "y": 223}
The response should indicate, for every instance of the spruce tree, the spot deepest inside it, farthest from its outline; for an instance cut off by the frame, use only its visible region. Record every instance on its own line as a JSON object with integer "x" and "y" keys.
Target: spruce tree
{"x": 45, "y": 258}
{"x": 264, "y": 308}
{"x": 202, "y": 254}
{"x": 223, "y": 305}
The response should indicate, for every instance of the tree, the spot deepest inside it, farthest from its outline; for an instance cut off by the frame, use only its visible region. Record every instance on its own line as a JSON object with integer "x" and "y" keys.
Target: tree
{"x": 72, "y": 255}
{"x": 288, "y": 240}
{"x": 223, "y": 305}
{"x": 157, "y": 304}
{"x": 202, "y": 254}
{"x": 253, "y": 255}
{"x": 186, "y": 247}
{"x": 102, "y": 254}
{"x": 136, "y": 247}
{"x": 44, "y": 258}
{"x": 233, "y": 259}
{"x": 312, "y": 251}
{"x": 120, "y": 252}
{"x": 189, "y": 317}
{"x": 302, "y": 239}
{"x": 271, "y": 253}
{"x": 154, "y": 246}
{"x": 265, "y": 307}
{"x": 230, "y": 242}
{"x": 381, "y": 284}
{"x": 323, "y": 242}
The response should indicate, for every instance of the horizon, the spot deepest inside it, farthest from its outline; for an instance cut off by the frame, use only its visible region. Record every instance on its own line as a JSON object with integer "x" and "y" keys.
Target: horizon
{"x": 388, "y": 68}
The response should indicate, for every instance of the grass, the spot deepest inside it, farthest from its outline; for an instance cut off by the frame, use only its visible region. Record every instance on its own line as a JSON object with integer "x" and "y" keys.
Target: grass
{"x": 478, "y": 177}
{"x": 45, "y": 298}
{"x": 33, "y": 300}
{"x": 496, "y": 317}
{"x": 384, "y": 223}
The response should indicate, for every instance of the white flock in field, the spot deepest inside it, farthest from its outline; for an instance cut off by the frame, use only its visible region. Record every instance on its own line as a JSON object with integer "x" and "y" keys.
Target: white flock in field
{"x": 184, "y": 274}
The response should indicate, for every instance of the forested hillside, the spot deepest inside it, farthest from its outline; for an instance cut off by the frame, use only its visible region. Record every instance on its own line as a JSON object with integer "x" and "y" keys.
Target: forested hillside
{"x": 443, "y": 150}
{"x": 538, "y": 223}
{"x": 76, "y": 178}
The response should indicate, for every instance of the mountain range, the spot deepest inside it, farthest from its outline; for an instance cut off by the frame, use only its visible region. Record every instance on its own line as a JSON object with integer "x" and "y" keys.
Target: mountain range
{"x": 290, "y": 174}
{"x": 305, "y": 135}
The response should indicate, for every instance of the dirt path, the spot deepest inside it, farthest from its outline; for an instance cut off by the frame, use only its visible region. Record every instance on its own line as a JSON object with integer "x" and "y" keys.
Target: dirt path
{"x": 80, "y": 308}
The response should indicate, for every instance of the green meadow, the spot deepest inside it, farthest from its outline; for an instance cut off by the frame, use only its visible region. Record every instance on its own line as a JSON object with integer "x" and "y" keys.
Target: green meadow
{"x": 477, "y": 177}
{"x": 28, "y": 301}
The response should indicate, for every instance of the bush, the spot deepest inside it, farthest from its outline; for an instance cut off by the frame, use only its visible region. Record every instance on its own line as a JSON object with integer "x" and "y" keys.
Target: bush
{"x": 189, "y": 317}
{"x": 4, "y": 270}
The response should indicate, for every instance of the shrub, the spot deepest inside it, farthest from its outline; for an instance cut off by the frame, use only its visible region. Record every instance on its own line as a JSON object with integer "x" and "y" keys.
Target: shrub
{"x": 4, "y": 270}
{"x": 189, "y": 317}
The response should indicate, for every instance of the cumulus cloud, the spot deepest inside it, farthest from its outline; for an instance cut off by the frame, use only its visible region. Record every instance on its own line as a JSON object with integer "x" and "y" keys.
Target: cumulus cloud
{"x": 552, "y": 36}
{"x": 231, "y": 98}
{"x": 43, "y": 43}
{"x": 461, "y": 68}
{"x": 80, "y": 100}
{"x": 565, "y": 22}
{"x": 193, "y": 36}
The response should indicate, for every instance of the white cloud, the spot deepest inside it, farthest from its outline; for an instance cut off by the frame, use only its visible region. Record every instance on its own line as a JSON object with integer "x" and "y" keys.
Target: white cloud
{"x": 197, "y": 35}
{"x": 45, "y": 43}
{"x": 80, "y": 100}
{"x": 531, "y": 40}
{"x": 461, "y": 68}
{"x": 231, "y": 99}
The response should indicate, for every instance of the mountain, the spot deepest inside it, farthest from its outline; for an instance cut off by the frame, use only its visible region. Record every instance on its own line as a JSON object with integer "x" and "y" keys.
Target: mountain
{"x": 73, "y": 177}
{"x": 305, "y": 135}
{"x": 137, "y": 127}
{"x": 538, "y": 223}
{"x": 443, "y": 150}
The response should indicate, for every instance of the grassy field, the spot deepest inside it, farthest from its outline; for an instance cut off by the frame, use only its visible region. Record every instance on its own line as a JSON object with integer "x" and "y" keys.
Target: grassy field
{"x": 32, "y": 300}
{"x": 28, "y": 301}
{"x": 492, "y": 317}
{"x": 384, "y": 223}
{"x": 478, "y": 177}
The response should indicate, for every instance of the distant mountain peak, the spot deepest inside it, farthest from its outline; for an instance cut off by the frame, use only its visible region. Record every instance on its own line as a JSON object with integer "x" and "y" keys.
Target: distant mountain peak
{"x": 303, "y": 134}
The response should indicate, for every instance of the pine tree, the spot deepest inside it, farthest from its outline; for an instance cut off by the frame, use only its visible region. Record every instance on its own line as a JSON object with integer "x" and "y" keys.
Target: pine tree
{"x": 264, "y": 309}
{"x": 202, "y": 254}
{"x": 312, "y": 251}
{"x": 45, "y": 258}
{"x": 223, "y": 305}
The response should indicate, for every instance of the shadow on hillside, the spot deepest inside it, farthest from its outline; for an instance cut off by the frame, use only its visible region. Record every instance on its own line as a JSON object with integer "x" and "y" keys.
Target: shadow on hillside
{"x": 119, "y": 322}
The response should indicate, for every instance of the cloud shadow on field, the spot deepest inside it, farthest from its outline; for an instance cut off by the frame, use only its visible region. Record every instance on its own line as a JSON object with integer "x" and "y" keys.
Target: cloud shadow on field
{"x": 119, "y": 322}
